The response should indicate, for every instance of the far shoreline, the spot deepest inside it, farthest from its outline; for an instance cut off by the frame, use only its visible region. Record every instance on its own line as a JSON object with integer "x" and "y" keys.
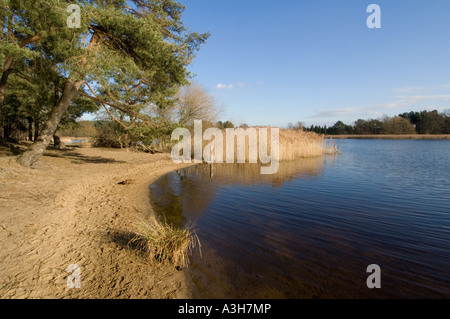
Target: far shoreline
{"x": 390, "y": 137}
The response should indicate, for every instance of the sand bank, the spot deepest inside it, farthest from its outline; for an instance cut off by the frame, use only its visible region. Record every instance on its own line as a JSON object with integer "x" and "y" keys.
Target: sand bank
{"x": 71, "y": 210}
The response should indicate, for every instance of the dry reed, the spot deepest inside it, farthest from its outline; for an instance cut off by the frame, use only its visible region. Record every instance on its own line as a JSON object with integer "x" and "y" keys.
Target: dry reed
{"x": 293, "y": 144}
{"x": 299, "y": 144}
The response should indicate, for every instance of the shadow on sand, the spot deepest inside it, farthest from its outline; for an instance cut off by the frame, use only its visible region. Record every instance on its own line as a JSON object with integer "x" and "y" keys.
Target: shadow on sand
{"x": 70, "y": 153}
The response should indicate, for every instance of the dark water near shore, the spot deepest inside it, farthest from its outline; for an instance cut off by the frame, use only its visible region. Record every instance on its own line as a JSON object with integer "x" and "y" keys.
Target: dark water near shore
{"x": 311, "y": 230}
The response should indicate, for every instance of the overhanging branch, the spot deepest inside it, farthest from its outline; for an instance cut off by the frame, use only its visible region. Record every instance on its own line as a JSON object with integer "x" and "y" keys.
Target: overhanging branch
{"x": 105, "y": 103}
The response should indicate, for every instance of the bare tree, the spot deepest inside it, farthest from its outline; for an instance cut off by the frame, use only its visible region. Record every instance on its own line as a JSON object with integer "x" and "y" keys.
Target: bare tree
{"x": 195, "y": 103}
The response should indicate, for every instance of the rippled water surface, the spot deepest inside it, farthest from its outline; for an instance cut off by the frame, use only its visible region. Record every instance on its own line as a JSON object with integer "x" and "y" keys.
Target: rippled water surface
{"x": 311, "y": 230}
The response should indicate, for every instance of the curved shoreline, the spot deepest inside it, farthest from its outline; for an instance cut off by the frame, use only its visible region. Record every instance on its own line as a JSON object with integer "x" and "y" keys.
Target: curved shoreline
{"x": 71, "y": 210}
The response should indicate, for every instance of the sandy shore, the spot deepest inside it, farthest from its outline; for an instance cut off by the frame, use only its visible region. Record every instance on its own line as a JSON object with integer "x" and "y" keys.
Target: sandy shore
{"x": 71, "y": 210}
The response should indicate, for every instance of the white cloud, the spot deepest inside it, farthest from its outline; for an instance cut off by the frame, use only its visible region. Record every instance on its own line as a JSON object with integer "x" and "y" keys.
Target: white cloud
{"x": 377, "y": 110}
{"x": 409, "y": 90}
{"x": 237, "y": 85}
{"x": 416, "y": 98}
{"x": 222, "y": 86}
{"x": 422, "y": 89}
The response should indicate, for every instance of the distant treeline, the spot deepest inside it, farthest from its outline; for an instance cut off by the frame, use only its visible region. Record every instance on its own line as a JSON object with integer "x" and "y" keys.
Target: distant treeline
{"x": 425, "y": 122}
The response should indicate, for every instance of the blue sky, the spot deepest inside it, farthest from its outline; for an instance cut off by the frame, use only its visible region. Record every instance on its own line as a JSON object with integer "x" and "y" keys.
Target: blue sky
{"x": 316, "y": 61}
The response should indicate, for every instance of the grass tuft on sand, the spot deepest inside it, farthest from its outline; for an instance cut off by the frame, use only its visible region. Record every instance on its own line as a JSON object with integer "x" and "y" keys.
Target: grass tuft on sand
{"x": 167, "y": 244}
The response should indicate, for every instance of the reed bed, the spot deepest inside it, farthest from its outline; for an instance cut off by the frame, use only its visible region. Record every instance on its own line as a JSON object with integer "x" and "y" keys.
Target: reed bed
{"x": 299, "y": 144}
{"x": 165, "y": 243}
{"x": 293, "y": 144}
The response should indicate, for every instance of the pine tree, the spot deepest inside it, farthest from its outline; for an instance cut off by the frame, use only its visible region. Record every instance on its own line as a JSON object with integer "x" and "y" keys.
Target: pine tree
{"x": 122, "y": 56}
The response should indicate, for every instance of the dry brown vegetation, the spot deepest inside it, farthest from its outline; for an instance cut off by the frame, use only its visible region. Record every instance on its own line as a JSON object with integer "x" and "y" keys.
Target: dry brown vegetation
{"x": 296, "y": 144}
{"x": 293, "y": 144}
{"x": 165, "y": 243}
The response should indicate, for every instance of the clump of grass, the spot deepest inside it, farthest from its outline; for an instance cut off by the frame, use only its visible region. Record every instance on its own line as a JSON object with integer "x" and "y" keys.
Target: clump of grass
{"x": 167, "y": 244}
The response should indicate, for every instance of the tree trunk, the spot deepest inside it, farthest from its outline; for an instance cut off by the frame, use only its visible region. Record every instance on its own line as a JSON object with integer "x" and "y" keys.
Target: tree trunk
{"x": 36, "y": 150}
{"x": 57, "y": 142}
{"x": 3, "y": 82}
{"x": 30, "y": 128}
{"x": 2, "y": 131}
{"x": 36, "y": 129}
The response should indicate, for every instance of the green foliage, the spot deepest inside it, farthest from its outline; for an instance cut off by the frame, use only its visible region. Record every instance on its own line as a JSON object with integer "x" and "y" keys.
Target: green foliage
{"x": 427, "y": 122}
{"x": 109, "y": 134}
{"x": 224, "y": 125}
{"x": 78, "y": 129}
{"x": 129, "y": 54}
{"x": 337, "y": 129}
{"x": 152, "y": 134}
{"x": 368, "y": 127}
{"x": 31, "y": 95}
{"x": 143, "y": 54}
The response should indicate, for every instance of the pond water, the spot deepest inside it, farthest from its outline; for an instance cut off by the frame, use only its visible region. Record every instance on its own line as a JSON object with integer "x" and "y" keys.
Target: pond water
{"x": 312, "y": 229}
